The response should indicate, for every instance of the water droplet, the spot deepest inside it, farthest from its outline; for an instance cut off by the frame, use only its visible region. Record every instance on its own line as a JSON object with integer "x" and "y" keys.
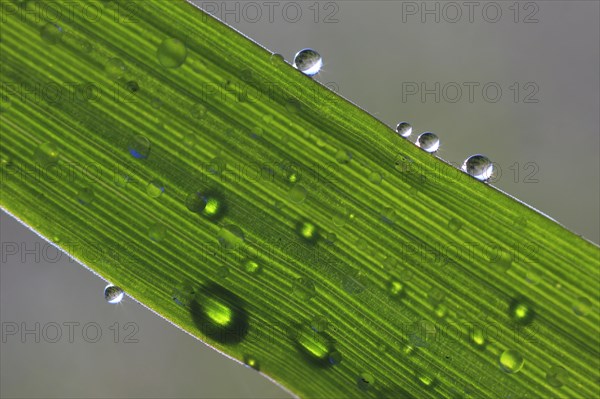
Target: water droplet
{"x": 335, "y": 358}
{"x": 115, "y": 68}
{"x": 139, "y": 147}
{"x": 171, "y": 53}
{"x": 395, "y": 289}
{"x": 404, "y": 129}
{"x": 223, "y": 272}
{"x": 308, "y": 231}
{"x": 331, "y": 238}
{"x": 156, "y": 103}
{"x": 375, "y": 178}
{"x": 343, "y": 156}
{"x": 354, "y": 283}
{"x": 304, "y": 289}
{"x": 219, "y": 314}
{"x": 251, "y": 362}
{"x": 557, "y": 376}
{"x": 441, "y": 311}
{"x": 479, "y": 166}
{"x": 113, "y": 294}
{"x": 428, "y": 141}
{"x": 157, "y": 232}
{"x": 478, "y": 338}
{"x": 132, "y": 86}
{"x": 365, "y": 381}
{"x": 341, "y": 217}
{"x": 252, "y": 266}
{"x": 426, "y": 380}
{"x": 217, "y": 166}
{"x": 533, "y": 277}
{"x": 511, "y": 361}
{"x": 195, "y": 202}
{"x": 86, "y": 195}
{"x": 521, "y": 311}
{"x": 51, "y": 33}
{"x": 155, "y": 189}
{"x": 319, "y": 323}
{"x": 231, "y": 237}
{"x": 86, "y": 46}
{"x": 199, "y": 111}
{"x": 46, "y": 154}
{"x": 454, "y": 225}
{"x": 297, "y": 194}
{"x": 389, "y": 215}
{"x": 582, "y": 306}
{"x": 215, "y": 206}
{"x": 308, "y": 61}
{"x": 403, "y": 164}
{"x": 293, "y": 106}
{"x": 183, "y": 294}
{"x": 277, "y": 59}
{"x": 316, "y": 346}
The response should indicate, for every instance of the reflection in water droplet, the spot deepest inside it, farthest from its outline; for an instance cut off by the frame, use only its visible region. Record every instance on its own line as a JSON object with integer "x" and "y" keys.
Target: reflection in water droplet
{"x": 231, "y": 237}
{"x": 114, "y": 68}
{"x": 51, "y": 33}
{"x": 219, "y": 314}
{"x": 521, "y": 311}
{"x": 171, "y": 53}
{"x": 252, "y": 266}
{"x": 155, "y": 189}
{"x": 454, "y": 225}
{"x": 85, "y": 196}
{"x": 557, "y": 376}
{"x": 511, "y": 361}
{"x": 365, "y": 381}
{"x": 582, "y": 306}
{"x": 307, "y": 231}
{"x": 479, "y": 166}
{"x": 428, "y": 142}
{"x": 404, "y": 129}
{"x": 139, "y": 147}
{"x": 157, "y": 232}
{"x": 297, "y": 194}
{"x": 308, "y": 61}
{"x": 113, "y": 294}
{"x": 303, "y": 289}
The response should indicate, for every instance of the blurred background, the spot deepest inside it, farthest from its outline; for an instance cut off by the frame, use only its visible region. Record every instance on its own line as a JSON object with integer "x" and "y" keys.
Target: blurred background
{"x": 518, "y": 82}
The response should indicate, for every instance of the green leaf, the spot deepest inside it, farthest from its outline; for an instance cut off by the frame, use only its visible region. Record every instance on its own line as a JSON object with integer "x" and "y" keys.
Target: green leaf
{"x": 276, "y": 221}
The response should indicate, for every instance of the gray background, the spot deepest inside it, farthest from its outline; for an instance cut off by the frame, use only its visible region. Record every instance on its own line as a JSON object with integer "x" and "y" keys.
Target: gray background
{"x": 370, "y": 53}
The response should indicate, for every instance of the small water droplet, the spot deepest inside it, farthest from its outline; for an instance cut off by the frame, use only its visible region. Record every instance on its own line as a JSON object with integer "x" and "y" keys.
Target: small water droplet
{"x": 277, "y": 59}
{"x": 426, "y": 380}
{"x": 297, "y": 194}
{"x": 183, "y": 294}
{"x": 533, "y": 277}
{"x": 139, "y": 147}
{"x": 375, "y": 178}
{"x": 319, "y": 323}
{"x": 428, "y": 141}
{"x": 85, "y": 46}
{"x": 365, "y": 381}
{"x": 354, "y": 283}
{"x": 215, "y": 206}
{"x": 389, "y": 215}
{"x": 477, "y": 338}
{"x": 223, "y": 272}
{"x": 511, "y": 361}
{"x": 46, "y": 154}
{"x": 251, "y": 362}
{"x": 113, "y": 294}
{"x": 115, "y": 68}
{"x": 155, "y": 188}
{"x": 343, "y": 156}
{"x": 132, "y": 86}
{"x": 156, "y": 103}
{"x": 171, "y": 53}
{"x": 521, "y": 311}
{"x": 157, "y": 232}
{"x": 195, "y": 202}
{"x": 557, "y": 376}
{"x": 199, "y": 111}
{"x": 51, "y": 33}
{"x": 231, "y": 237}
{"x": 341, "y": 217}
{"x": 304, "y": 289}
{"x": 404, "y": 129}
{"x": 335, "y": 358}
{"x": 316, "y": 346}
{"x": 454, "y": 225}
{"x": 308, "y": 61}
{"x": 293, "y": 106}
{"x": 479, "y": 166}
{"x": 396, "y": 289}
{"x": 252, "y": 266}
{"x": 307, "y": 231}
{"x": 441, "y": 311}
{"x": 582, "y": 306}
{"x": 86, "y": 195}
{"x": 331, "y": 238}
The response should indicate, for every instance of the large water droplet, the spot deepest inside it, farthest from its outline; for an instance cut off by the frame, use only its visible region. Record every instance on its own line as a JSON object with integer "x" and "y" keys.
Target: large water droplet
{"x": 113, "y": 294}
{"x": 428, "y": 141}
{"x": 511, "y": 361}
{"x": 521, "y": 311}
{"x": 303, "y": 288}
{"x": 479, "y": 166}
{"x": 557, "y": 376}
{"x": 231, "y": 237}
{"x": 114, "y": 68}
{"x": 219, "y": 314}
{"x": 308, "y": 61}
{"x": 365, "y": 381}
{"x": 51, "y": 33}
{"x": 582, "y": 306}
{"x": 404, "y": 129}
{"x": 155, "y": 189}
{"x": 171, "y": 53}
{"x": 139, "y": 147}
